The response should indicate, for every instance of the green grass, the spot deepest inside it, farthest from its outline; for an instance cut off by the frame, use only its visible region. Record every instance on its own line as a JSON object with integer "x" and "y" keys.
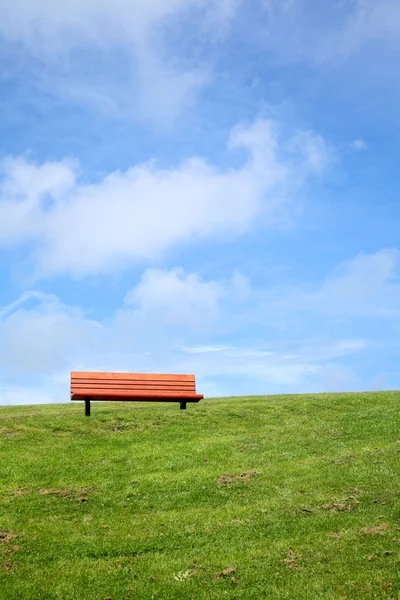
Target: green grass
{"x": 131, "y": 502}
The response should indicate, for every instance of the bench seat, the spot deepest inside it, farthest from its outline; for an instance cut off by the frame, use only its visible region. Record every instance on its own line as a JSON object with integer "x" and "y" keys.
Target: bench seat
{"x": 133, "y": 387}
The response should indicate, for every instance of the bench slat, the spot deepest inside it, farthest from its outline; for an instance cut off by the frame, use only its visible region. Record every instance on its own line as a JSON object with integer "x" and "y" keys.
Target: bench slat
{"x": 143, "y": 396}
{"x": 130, "y": 376}
{"x": 192, "y": 399}
{"x": 135, "y": 388}
{"x": 135, "y": 392}
{"x": 127, "y": 394}
{"x": 151, "y": 384}
{"x": 135, "y": 383}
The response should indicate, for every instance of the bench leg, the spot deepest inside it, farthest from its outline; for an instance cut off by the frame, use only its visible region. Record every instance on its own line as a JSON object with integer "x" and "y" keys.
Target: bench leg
{"x": 87, "y": 407}
{"x": 183, "y": 405}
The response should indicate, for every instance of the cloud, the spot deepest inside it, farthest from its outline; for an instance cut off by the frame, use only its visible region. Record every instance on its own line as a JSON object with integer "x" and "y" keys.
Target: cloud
{"x": 204, "y": 349}
{"x": 365, "y": 285}
{"x": 39, "y": 335}
{"x": 330, "y": 31}
{"x": 174, "y": 321}
{"x": 175, "y": 297}
{"x": 150, "y": 60}
{"x": 65, "y": 37}
{"x": 359, "y": 145}
{"x": 248, "y": 370}
{"x": 26, "y": 192}
{"x": 35, "y": 21}
{"x": 138, "y": 215}
{"x": 163, "y": 325}
{"x": 166, "y": 309}
{"x": 371, "y": 20}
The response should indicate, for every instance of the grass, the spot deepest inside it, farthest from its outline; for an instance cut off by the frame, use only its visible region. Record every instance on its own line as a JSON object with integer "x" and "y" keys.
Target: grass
{"x": 293, "y": 497}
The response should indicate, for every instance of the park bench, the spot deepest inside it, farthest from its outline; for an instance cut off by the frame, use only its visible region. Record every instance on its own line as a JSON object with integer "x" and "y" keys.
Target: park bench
{"x": 133, "y": 387}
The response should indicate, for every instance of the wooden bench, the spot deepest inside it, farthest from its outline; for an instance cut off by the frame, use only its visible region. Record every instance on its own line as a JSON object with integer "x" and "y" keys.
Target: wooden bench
{"x": 133, "y": 387}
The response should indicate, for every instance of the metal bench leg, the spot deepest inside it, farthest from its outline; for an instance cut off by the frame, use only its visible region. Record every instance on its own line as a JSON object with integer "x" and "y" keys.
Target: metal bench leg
{"x": 183, "y": 405}
{"x": 87, "y": 407}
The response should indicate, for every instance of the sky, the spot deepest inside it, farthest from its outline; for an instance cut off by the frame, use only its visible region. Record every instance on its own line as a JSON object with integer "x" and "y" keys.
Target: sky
{"x": 200, "y": 186}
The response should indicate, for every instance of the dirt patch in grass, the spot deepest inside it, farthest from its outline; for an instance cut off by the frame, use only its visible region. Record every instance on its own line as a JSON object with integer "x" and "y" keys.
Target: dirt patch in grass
{"x": 248, "y": 447}
{"x": 119, "y": 428}
{"x": 234, "y": 479}
{"x": 6, "y": 536}
{"x": 378, "y": 530}
{"x": 345, "y": 459}
{"x": 18, "y": 492}
{"x": 347, "y": 504}
{"x": 21, "y": 492}
{"x": 80, "y": 495}
{"x": 293, "y": 560}
{"x": 5, "y": 431}
{"x": 227, "y": 573}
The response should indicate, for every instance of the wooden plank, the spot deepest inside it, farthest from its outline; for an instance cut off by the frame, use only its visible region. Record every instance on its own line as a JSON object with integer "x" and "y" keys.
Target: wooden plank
{"x": 133, "y": 383}
{"x": 140, "y": 398}
{"x": 116, "y": 392}
{"x": 124, "y": 393}
{"x": 136, "y": 399}
{"x": 130, "y": 380}
{"x": 130, "y": 376}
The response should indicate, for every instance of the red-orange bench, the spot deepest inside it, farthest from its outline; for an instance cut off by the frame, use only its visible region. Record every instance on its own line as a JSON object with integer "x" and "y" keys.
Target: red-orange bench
{"x": 133, "y": 387}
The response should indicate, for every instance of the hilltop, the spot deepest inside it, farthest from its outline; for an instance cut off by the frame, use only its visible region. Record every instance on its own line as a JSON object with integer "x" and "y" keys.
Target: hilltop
{"x": 292, "y": 497}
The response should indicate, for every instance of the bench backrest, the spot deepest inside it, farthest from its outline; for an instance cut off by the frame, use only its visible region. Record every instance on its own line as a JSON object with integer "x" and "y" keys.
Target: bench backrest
{"x": 87, "y": 384}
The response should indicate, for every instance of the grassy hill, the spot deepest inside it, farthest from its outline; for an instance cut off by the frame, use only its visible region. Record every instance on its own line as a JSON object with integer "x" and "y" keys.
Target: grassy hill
{"x": 293, "y": 497}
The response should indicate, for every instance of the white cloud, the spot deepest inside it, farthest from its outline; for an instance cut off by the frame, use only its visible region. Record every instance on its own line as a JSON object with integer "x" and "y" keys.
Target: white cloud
{"x": 313, "y": 149}
{"x": 173, "y": 321}
{"x": 26, "y": 190}
{"x": 359, "y": 145}
{"x": 162, "y": 327}
{"x": 41, "y": 338}
{"x": 166, "y": 82}
{"x": 371, "y": 20}
{"x": 161, "y": 79}
{"x": 273, "y": 370}
{"x": 5, "y": 310}
{"x": 365, "y": 285}
{"x": 35, "y": 21}
{"x": 175, "y": 297}
{"x": 139, "y": 214}
{"x": 204, "y": 349}
{"x": 330, "y": 31}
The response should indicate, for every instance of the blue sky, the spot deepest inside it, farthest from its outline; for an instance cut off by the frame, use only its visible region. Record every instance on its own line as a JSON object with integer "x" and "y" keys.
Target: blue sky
{"x": 200, "y": 186}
